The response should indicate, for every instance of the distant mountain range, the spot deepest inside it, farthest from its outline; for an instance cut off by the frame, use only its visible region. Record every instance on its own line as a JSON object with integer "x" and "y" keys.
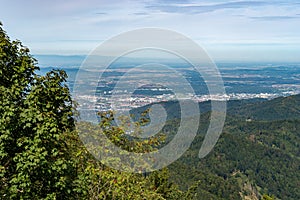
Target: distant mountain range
{"x": 60, "y": 61}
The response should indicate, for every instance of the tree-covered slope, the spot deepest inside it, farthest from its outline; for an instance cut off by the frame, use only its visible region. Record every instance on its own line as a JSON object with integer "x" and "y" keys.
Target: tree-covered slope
{"x": 251, "y": 158}
{"x": 41, "y": 154}
{"x": 281, "y": 108}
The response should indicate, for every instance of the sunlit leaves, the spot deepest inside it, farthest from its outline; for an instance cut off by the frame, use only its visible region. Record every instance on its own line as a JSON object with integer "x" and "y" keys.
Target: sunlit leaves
{"x": 35, "y": 112}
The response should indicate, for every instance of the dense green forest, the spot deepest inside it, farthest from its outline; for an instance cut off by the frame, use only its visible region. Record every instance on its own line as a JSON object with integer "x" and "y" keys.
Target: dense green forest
{"x": 250, "y": 159}
{"x": 42, "y": 157}
{"x": 257, "y": 154}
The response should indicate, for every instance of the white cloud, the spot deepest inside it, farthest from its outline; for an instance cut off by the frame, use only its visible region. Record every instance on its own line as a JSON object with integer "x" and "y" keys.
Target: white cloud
{"x": 77, "y": 26}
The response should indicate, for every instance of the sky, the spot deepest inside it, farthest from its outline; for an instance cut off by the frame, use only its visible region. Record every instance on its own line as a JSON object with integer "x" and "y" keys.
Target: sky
{"x": 235, "y": 30}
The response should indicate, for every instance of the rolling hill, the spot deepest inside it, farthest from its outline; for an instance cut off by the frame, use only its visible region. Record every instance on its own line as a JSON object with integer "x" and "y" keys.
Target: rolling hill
{"x": 251, "y": 158}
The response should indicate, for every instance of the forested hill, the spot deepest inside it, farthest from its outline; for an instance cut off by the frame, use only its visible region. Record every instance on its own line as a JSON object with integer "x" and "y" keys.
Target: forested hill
{"x": 252, "y": 157}
{"x": 281, "y": 108}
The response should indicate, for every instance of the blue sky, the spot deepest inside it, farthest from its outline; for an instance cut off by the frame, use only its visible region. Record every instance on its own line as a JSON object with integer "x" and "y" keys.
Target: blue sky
{"x": 260, "y": 30}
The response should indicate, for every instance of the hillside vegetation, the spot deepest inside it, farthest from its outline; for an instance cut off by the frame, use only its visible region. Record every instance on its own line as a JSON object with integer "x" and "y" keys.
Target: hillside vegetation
{"x": 252, "y": 157}
{"x": 42, "y": 156}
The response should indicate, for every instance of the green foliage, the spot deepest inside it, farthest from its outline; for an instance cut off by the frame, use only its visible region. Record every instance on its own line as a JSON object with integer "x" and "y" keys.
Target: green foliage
{"x": 267, "y": 197}
{"x": 41, "y": 155}
{"x": 35, "y": 111}
{"x": 101, "y": 182}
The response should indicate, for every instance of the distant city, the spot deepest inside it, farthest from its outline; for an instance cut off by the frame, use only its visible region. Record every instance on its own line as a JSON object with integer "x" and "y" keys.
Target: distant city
{"x": 241, "y": 81}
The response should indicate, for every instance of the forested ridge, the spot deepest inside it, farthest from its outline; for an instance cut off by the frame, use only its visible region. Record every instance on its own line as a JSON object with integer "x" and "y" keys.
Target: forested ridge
{"x": 257, "y": 153}
{"x": 42, "y": 157}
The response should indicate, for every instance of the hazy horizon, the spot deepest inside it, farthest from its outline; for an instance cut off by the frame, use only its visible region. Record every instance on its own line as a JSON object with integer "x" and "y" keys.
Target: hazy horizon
{"x": 75, "y": 61}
